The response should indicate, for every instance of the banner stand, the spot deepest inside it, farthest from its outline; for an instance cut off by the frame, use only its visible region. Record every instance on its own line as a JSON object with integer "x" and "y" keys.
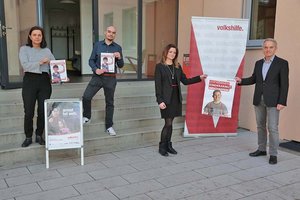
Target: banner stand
{"x": 63, "y": 126}
{"x": 217, "y": 48}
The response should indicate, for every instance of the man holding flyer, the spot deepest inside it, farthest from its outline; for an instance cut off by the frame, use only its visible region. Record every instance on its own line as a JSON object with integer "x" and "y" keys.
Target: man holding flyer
{"x": 102, "y": 78}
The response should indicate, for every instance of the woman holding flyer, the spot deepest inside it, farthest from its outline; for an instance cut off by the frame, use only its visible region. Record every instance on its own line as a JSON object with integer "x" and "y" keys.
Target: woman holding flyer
{"x": 168, "y": 75}
{"x": 35, "y": 58}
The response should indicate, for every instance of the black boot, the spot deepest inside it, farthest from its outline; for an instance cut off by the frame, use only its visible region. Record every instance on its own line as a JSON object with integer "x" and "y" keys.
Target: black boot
{"x": 27, "y": 142}
{"x": 163, "y": 149}
{"x": 170, "y": 148}
{"x": 39, "y": 140}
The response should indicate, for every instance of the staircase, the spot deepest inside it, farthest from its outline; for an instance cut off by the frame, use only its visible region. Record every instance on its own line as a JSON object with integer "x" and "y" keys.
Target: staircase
{"x": 136, "y": 121}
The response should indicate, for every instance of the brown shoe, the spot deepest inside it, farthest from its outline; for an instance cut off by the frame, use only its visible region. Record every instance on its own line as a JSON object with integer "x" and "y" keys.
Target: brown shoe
{"x": 273, "y": 160}
{"x": 258, "y": 153}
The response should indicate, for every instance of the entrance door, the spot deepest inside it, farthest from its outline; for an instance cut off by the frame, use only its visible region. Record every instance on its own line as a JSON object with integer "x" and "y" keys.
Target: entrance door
{"x": 16, "y": 18}
{"x": 62, "y": 29}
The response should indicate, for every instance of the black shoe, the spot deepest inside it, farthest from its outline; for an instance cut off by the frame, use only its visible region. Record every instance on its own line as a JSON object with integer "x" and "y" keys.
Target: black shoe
{"x": 258, "y": 153}
{"x": 273, "y": 160}
{"x": 170, "y": 148}
{"x": 39, "y": 140}
{"x": 27, "y": 142}
{"x": 162, "y": 149}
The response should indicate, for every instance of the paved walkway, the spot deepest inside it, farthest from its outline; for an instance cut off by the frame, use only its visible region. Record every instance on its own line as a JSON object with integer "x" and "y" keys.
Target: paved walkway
{"x": 205, "y": 168}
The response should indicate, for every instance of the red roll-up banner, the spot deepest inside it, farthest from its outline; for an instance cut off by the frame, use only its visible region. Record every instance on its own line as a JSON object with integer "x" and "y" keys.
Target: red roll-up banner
{"x": 217, "y": 48}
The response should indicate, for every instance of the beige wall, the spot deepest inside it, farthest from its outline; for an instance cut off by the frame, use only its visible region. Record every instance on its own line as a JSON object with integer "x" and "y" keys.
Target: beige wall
{"x": 246, "y": 112}
{"x": 286, "y": 28}
{"x": 287, "y": 32}
{"x": 207, "y": 8}
{"x": 187, "y": 9}
{"x": 223, "y": 8}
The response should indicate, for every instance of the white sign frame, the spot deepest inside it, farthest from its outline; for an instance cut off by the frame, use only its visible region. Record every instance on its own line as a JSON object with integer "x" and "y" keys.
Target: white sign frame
{"x": 63, "y": 126}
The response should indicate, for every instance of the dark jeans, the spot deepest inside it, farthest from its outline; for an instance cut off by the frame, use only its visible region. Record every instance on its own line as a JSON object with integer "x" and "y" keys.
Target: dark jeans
{"x": 108, "y": 83}
{"x": 36, "y": 87}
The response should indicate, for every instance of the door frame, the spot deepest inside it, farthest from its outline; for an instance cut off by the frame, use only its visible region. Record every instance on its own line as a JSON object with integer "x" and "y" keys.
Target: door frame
{"x": 4, "y": 77}
{"x": 5, "y": 83}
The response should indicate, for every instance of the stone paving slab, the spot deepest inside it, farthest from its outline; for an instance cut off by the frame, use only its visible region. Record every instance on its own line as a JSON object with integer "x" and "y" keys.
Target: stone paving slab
{"x": 209, "y": 168}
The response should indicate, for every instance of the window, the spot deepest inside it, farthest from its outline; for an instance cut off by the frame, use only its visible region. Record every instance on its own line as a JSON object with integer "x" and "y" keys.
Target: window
{"x": 123, "y": 15}
{"x": 159, "y": 29}
{"x": 262, "y": 20}
{"x": 108, "y": 20}
{"x": 144, "y": 28}
{"x": 129, "y": 20}
{"x": 19, "y": 17}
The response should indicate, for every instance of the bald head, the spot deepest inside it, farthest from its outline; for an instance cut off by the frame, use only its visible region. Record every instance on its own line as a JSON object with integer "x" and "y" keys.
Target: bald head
{"x": 110, "y": 34}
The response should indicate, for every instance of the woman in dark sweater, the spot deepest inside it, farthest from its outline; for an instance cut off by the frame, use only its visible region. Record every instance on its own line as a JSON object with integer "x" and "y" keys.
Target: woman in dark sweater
{"x": 168, "y": 75}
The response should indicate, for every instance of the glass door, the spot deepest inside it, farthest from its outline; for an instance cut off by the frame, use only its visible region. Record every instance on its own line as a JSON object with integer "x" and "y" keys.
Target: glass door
{"x": 123, "y": 15}
{"x": 16, "y": 18}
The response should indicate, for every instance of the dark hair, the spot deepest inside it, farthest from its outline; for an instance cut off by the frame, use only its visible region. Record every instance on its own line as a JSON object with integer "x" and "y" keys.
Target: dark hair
{"x": 55, "y": 66}
{"x": 215, "y": 91}
{"x": 29, "y": 41}
{"x": 165, "y": 53}
{"x": 105, "y": 58}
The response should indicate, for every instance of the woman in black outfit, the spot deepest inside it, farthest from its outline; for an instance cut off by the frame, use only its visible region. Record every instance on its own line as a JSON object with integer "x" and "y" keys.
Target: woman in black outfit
{"x": 168, "y": 75}
{"x": 35, "y": 58}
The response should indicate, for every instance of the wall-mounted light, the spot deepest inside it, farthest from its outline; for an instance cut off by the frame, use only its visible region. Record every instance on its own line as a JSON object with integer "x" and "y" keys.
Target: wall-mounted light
{"x": 67, "y": 1}
{"x": 264, "y": 1}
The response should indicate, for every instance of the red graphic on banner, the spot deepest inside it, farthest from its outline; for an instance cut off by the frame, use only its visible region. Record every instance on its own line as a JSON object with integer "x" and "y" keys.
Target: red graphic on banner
{"x": 219, "y": 85}
{"x": 196, "y": 122}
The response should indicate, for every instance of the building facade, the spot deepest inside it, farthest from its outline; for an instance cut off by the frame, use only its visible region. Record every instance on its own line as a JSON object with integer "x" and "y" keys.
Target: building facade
{"x": 144, "y": 27}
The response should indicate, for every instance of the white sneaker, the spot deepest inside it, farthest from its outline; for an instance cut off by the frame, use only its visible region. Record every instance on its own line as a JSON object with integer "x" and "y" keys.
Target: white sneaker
{"x": 111, "y": 131}
{"x": 86, "y": 120}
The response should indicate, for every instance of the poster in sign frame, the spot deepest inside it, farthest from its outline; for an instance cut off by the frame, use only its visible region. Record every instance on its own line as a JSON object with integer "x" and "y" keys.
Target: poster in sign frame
{"x": 63, "y": 125}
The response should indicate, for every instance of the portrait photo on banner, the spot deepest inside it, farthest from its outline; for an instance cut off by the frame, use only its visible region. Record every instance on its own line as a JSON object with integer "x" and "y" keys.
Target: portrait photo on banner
{"x": 218, "y": 97}
{"x": 63, "y": 124}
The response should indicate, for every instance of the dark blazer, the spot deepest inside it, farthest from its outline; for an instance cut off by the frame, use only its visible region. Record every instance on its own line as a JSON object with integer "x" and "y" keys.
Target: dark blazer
{"x": 163, "y": 82}
{"x": 275, "y": 87}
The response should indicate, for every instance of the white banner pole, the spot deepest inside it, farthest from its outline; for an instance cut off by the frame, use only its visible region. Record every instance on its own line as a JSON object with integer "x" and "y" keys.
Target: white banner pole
{"x": 82, "y": 156}
{"x": 47, "y": 158}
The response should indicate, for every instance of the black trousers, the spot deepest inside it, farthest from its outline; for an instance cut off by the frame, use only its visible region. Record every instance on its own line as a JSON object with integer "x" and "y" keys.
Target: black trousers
{"x": 108, "y": 83}
{"x": 36, "y": 87}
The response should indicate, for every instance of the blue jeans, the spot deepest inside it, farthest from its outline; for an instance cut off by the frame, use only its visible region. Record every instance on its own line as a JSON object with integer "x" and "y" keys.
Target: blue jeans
{"x": 267, "y": 116}
{"x": 108, "y": 83}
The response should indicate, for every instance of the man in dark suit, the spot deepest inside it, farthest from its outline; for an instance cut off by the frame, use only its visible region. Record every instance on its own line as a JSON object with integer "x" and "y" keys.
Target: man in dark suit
{"x": 271, "y": 79}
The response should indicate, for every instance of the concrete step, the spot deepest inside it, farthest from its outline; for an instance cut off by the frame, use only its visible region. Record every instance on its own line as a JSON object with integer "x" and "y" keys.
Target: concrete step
{"x": 12, "y": 154}
{"x": 16, "y": 135}
{"x": 16, "y": 109}
{"x": 122, "y": 112}
{"x": 75, "y": 90}
{"x": 136, "y": 121}
{"x": 98, "y": 114}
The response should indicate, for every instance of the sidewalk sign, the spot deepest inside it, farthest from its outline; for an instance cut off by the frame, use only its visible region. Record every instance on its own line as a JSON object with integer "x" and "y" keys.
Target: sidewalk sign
{"x": 63, "y": 126}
